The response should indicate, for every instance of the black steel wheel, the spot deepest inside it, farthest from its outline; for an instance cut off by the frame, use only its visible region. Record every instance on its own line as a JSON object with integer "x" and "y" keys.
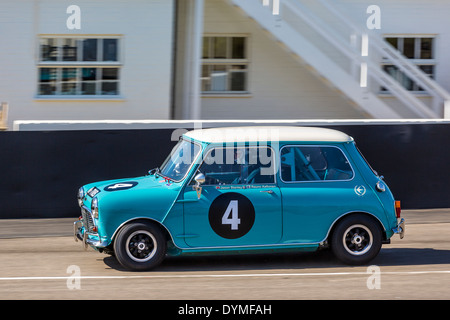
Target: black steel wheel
{"x": 356, "y": 239}
{"x": 140, "y": 246}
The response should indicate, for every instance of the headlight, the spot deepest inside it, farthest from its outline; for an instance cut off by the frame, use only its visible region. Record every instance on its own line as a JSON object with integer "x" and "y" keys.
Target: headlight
{"x": 94, "y": 208}
{"x": 80, "y": 196}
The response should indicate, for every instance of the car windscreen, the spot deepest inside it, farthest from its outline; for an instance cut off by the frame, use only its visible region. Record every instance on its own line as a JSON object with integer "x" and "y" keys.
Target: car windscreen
{"x": 177, "y": 164}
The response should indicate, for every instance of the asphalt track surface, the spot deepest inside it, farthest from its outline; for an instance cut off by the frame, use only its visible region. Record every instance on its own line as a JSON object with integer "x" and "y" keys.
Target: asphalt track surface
{"x": 40, "y": 260}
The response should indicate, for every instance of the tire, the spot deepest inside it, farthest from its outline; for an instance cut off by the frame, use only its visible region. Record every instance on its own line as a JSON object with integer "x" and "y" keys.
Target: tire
{"x": 140, "y": 246}
{"x": 357, "y": 239}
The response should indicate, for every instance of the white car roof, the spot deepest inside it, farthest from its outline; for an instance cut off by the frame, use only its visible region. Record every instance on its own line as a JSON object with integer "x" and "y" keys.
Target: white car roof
{"x": 268, "y": 133}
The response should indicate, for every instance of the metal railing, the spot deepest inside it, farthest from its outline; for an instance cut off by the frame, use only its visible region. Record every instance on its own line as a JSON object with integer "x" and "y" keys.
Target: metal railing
{"x": 325, "y": 27}
{"x": 441, "y": 98}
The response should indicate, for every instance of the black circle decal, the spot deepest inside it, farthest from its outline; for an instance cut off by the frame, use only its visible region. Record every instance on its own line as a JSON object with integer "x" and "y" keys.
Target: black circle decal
{"x": 120, "y": 186}
{"x": 231, "y": 215}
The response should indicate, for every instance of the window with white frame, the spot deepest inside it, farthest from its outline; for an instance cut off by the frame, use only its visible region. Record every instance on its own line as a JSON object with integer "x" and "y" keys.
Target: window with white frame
{"x": 419, "y": 50}
{"x": 224, "y": 64}
{"x": 72, "y": 66}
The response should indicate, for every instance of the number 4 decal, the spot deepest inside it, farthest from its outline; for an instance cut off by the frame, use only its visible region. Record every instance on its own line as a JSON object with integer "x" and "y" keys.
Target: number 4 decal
{"x": 121, "y": 186}
{"x": 231, "y": 215}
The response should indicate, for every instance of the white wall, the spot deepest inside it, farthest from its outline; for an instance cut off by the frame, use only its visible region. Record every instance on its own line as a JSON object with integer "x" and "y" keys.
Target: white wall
{"x": 419, "y": 17}
{"x": 146, "y": 29}
{"x": 280, "y": 87}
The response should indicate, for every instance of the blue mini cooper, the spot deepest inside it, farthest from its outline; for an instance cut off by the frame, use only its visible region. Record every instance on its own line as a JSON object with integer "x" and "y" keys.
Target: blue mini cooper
{"x": 244, "y": 190}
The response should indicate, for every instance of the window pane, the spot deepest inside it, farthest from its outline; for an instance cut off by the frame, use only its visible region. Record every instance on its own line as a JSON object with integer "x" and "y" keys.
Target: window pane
{"x": 206, "y": 48}
{"x": 88, "y": 88}
{"x": 238, "y": 48}
{"x": 49, "y": 50}
{"x": 69, "y": 88}
{"x": 426, "y": 48}
{"x": 47, "y": 89}
{"x": 390, "y": 70}
{"x": 69, "y": 74}
{"x": 47, "y": 81}
{"x": 69, "y": 49}
{"x": 404, "y": 80}
{"x": 206, "y": 79}
{"x": 219, "y": 78}
{"x": 110, "y": 49}
{"x": 314, "y": 164}
{"x": 90, "y": 50}
{"x": 241, "y": 165}
{"x": 428, "y": 69}
{"x": 88, "y": 75}
{"x": 408, "y": 47}
{"x": 220, "y": 47}
{"x": 48, "y": 74}
{"x": 69, "y": 78}
{"x": 110, "y": 88}
{"x": 110, "y": 73}
{"x": 238, "y": 74}
{"x": 110, "y": 84}
{"x": 393, "y": 42}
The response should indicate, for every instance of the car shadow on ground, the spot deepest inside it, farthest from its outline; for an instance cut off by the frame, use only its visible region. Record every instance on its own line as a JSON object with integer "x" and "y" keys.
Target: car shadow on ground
{"x": 291, "y": 261}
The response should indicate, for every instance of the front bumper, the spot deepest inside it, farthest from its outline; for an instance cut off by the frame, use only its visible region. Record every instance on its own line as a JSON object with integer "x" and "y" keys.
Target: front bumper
{"x": 85, "y": 230}
{"x": 400, "y": 228}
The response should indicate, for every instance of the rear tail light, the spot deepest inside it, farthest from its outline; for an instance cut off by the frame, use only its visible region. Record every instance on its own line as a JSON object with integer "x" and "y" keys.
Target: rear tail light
{"x": 398, "y": 208}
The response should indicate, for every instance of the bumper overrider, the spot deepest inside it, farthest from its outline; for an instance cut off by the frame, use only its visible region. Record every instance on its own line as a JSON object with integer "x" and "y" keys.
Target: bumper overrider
{"x": 400, "y": 228}
{"x": 85, "y": 230}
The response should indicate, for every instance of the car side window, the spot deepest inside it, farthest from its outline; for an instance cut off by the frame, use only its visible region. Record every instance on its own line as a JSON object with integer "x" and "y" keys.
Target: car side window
{"x": 314, "y": 163}
{"x": 240, "y": 165}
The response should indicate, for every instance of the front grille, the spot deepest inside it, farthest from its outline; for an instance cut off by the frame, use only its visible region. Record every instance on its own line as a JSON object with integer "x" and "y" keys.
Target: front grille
{"x": 88, "y": 221}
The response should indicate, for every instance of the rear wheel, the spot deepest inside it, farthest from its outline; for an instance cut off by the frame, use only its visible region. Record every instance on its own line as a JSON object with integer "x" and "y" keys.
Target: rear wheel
{"x": 356, "y": 239}
{"x": 140, "y": 246}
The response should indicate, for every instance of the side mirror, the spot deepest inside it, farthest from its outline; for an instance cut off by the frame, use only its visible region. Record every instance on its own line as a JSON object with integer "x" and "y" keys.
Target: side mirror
{"x": 199, "y": 180}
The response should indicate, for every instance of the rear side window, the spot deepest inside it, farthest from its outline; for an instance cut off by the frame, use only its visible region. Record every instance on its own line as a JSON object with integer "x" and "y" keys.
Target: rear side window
{"x": 314, "y": 163}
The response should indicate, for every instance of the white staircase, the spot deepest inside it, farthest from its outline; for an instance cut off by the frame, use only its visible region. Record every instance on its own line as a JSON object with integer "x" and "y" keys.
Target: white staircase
{"x": 348, "y": 56}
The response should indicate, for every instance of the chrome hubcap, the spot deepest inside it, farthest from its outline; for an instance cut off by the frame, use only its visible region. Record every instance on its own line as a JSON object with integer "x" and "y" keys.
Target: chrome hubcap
{"x": 357, "y": 239}
{"x": 141, "y": 246}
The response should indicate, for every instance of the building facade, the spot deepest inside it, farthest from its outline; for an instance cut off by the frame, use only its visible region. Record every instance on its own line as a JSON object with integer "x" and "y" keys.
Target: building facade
{"x": 224, "y": 59}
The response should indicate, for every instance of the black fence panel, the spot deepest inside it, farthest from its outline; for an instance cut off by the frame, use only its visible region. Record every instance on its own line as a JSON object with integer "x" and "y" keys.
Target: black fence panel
{"x": 413, "y": 158}
{"x": 41, "y": 171}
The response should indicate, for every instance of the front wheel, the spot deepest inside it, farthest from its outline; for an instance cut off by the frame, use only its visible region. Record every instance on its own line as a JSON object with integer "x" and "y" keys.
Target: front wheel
{"x": 356, "y": 240}
{"x": 140, "y": 246}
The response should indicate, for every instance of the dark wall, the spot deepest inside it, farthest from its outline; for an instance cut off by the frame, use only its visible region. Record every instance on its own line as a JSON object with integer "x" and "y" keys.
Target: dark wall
{"x": 414, "y": 159}
{"x": 42, "y": 171}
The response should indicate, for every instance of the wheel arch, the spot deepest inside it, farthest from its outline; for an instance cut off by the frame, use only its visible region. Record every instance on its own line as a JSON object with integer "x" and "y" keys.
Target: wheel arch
{"x": 347, "y": 214}
{"x": 154, "y": 222}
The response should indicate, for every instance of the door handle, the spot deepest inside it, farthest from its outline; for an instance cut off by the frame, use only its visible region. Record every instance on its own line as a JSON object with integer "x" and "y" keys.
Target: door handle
{"x": 267, "y": 191}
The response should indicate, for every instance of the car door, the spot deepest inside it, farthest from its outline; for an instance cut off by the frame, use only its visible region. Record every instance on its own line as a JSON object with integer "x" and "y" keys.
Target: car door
{"x": 239, "y": 204}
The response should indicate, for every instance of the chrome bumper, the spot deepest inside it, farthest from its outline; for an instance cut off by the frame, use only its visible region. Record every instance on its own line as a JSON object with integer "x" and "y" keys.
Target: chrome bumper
{"x": 87, "y": 238}
{"x": 400, "y": 228}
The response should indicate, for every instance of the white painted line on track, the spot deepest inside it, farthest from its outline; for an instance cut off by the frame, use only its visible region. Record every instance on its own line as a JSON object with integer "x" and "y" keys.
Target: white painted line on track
{"x": 248, "y": 275}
